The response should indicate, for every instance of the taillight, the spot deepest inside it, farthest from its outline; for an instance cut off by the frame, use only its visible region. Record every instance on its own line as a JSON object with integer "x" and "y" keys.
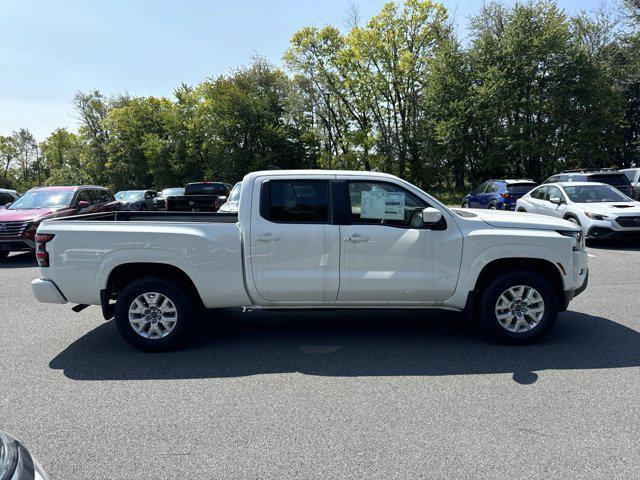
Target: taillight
{"x": 41, "y": 249}
{"x": 505, "y": 195}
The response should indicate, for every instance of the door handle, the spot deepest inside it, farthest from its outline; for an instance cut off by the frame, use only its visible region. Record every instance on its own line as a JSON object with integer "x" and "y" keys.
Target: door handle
{"x": 356, "y": 238}
{"x": 266, "y": 238}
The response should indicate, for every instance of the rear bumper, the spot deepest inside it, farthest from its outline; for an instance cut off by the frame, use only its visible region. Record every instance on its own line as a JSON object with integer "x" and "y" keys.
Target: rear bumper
{"x": 46, "y": 291}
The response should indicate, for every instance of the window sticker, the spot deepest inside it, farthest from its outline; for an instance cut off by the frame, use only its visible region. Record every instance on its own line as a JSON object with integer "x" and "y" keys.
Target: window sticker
{"x": 381, "y": 205}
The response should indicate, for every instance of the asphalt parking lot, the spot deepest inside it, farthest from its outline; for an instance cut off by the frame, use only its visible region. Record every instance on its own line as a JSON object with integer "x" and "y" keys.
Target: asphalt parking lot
{"x": 328, "y": 395}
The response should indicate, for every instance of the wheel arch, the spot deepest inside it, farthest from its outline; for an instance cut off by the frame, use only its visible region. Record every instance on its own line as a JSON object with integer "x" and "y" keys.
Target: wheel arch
{"x": 543, "y": 267}
{"x": 126, "y": 273}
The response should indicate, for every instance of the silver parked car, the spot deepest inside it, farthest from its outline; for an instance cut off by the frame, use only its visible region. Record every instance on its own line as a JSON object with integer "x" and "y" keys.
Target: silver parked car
{"x": 233, "y": 201}
{"x": 137, "y": 200}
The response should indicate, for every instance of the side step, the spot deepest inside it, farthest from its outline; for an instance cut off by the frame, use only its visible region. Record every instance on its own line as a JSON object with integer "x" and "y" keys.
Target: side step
{"x": 79, "y": 308}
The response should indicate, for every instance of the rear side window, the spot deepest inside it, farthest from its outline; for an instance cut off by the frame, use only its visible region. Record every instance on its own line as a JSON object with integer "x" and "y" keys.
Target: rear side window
{"x": 96, "y": 197}
{"x": 615, "y": 180}
{"x": 295, "y": 201}
{"x": 493, "y": 187}
{"x": 106, "y": 196}
{"x": 520, "y": 187}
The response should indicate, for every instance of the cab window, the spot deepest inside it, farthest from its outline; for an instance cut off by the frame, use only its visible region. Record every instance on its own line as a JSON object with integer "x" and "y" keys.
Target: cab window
{"x": 380, "y": 203}
{"x": 295, "y": 201}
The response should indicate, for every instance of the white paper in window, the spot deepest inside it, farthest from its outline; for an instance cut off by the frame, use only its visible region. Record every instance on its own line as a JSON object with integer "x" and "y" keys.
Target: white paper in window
{"x": 382, "y": 205}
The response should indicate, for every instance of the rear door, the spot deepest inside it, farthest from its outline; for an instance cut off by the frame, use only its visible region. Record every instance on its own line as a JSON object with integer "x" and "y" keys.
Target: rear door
{"x": 387, "y": 255}
{"x": 294, "y": 247}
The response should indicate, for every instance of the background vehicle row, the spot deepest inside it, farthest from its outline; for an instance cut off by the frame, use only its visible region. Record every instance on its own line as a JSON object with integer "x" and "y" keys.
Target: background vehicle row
{"x": 20, "y": 219}
{"x": 602, "y": 211}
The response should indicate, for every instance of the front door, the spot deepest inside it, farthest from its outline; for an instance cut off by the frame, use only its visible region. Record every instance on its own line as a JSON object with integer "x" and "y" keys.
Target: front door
{"x": 387, "y": 255}
{"x": 294, "y": 248}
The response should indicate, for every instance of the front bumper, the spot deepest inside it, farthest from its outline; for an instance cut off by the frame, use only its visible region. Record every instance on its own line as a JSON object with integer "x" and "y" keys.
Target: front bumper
{"x": 571, "y": 294}
{"x": 46, "y": 291}
{"x": 17, "y": 245}
{"x": 606, "y": 233}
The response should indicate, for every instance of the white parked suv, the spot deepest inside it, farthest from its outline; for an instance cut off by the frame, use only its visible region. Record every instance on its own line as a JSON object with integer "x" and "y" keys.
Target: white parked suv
{"x": 602, "y": 211}
{"x": 314, "y": 239}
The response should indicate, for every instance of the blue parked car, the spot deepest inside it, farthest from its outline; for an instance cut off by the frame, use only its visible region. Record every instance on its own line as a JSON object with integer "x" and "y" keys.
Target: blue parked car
{"x": 498, "y": 194}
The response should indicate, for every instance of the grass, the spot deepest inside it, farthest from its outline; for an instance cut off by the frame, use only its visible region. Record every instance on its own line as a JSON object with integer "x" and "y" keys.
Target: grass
{"x": 450, "y": 197}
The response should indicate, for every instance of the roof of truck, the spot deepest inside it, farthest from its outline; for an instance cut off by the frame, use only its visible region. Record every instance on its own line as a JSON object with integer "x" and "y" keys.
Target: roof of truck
{"x": 264, "y": 173}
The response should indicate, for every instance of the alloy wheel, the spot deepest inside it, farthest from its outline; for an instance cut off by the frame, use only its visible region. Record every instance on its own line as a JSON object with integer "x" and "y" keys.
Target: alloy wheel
{"x": 153, "y": 315}
{"x": 519, "y": 309}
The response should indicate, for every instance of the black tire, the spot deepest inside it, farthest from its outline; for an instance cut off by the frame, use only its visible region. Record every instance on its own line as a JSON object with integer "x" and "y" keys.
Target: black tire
{"x": 465, "y": 204}
{"x": 3, "y": 255}
{"x": 492, "y": 206}
{"x": 175, "y": 293}
{"x": 493, "y": 291}
{"x": 522, "y": 210}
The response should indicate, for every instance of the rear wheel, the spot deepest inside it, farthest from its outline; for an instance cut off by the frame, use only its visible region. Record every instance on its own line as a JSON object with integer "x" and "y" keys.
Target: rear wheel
{"x": 492, "y": 206}
{"x": 518, "y": 307}
{"x": 465, "y": 204}
{"x": 153, "y": 314}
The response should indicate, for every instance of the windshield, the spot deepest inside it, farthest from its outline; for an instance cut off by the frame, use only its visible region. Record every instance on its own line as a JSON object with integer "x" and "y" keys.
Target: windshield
{"x": 132, "y": 195}
{"x": 171, "y": 192}
{"x": 595, "y": 194}
{"x": 234, "y": 196}
{"x": 43, "y": 199}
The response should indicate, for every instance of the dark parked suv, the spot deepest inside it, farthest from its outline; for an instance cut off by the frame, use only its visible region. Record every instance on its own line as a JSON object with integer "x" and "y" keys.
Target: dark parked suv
{"x": 611, "y": 177}
{"x": 498, "y": 194}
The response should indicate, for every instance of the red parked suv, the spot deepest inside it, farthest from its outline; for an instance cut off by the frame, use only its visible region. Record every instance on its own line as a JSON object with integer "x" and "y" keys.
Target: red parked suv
{"x": 20, "y": 220}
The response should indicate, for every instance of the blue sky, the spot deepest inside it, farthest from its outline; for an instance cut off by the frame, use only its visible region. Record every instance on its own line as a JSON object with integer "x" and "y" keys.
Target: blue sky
{"x": 49, "y": 49}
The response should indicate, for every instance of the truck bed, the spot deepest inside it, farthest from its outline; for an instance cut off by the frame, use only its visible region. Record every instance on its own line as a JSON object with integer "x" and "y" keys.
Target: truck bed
{"x": 163, "y": 216}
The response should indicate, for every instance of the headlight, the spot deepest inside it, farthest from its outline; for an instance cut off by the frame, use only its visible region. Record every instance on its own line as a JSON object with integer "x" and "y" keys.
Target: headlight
{"x": 579, "y": 236}
{"x": 597, "y": 216}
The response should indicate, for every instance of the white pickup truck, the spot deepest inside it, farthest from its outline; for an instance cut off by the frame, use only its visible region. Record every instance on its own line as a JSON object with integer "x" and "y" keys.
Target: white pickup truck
{"x": 314, "y": 239}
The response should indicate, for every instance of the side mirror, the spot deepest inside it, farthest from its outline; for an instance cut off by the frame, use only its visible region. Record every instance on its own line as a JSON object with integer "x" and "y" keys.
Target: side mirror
{"x": 8, "y": 205}
{"x": 222, "y": 199}
{"x": 82, "y": 204}
{"x": 431, "y": 216}
{"x": 555, "y": 200}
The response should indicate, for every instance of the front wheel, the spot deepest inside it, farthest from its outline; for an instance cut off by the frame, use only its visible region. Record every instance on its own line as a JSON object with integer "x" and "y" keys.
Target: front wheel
{"x": 518, "y": 307}
{"x": 153, "y": 314}
{"x": 465, "y": 204}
